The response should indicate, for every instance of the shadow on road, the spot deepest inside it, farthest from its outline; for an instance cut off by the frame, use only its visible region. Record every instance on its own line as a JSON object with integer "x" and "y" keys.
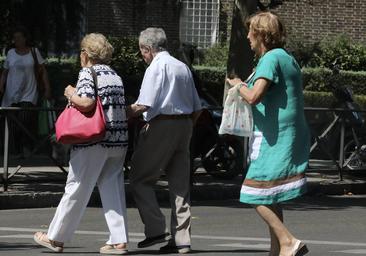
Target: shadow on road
{"x": 209, "y": 252}
{"x": 16, "y": 246}
{"x": 304, "y": 203}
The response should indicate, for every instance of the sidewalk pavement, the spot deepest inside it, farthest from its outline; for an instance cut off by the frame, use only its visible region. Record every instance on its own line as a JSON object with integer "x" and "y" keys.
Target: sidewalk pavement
{"x": 43, "y": 186}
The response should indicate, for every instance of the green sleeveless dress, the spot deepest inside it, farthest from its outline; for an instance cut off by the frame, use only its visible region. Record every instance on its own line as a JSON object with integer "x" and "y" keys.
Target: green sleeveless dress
{"x": 279, "y": 147}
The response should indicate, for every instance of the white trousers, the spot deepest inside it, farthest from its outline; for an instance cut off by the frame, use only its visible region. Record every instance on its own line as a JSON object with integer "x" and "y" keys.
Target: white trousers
{"x": 90, "y": 166}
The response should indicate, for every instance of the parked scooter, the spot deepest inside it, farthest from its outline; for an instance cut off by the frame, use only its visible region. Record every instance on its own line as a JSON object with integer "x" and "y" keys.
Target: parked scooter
{"x": 222, "y": 156}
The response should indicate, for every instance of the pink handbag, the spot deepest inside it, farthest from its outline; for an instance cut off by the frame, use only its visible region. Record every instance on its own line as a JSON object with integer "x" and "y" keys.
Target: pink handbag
{"x": 75, "y": 127}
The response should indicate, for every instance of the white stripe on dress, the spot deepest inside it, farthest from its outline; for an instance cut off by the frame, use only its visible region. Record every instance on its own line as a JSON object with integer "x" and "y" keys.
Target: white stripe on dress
{"x": 273, "y": 191}
{"x": 255, "y": 145}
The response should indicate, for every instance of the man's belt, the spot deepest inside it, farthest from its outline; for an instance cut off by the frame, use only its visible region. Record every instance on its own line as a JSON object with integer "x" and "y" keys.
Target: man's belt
{"x": 172, "y": 117}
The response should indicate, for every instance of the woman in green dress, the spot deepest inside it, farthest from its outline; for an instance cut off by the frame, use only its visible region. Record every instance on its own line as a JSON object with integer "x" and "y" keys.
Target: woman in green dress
{"x": 280, "y": 143}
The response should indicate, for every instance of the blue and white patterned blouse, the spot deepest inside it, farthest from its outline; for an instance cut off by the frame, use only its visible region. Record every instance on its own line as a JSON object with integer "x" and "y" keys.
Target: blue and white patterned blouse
{"x": 111, "y": 93}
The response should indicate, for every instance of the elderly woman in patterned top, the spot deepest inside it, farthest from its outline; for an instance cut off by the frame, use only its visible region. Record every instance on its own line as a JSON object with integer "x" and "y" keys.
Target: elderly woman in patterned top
{"x": 95, "y": 163}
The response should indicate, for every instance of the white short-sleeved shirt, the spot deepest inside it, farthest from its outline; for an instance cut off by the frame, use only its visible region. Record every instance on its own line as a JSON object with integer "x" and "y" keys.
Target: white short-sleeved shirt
{"x": 168, "y": 88}
{"x": 21, "y": 83}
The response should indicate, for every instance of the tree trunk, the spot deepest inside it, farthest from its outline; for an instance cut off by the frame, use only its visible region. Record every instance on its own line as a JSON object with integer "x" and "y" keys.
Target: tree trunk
{"x": 240, "y": 59}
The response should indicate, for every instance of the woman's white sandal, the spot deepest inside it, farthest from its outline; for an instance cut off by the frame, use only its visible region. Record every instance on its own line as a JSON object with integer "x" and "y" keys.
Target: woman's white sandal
{"x": 113, "y": 250}
{"x": 39, "y": 239}
{"x": 299, "y": 249}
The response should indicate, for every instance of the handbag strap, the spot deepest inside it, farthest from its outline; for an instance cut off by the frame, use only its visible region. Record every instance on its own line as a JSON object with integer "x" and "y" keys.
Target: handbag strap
{"x": 34, "y": 54}
{"x": 95, "y": 81}
{"x": 37, "y": 71}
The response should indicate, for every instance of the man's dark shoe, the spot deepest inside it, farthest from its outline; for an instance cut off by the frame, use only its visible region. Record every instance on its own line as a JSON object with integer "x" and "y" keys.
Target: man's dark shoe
{"x": 171, "y": 248}
{"x": 149, "y": 241}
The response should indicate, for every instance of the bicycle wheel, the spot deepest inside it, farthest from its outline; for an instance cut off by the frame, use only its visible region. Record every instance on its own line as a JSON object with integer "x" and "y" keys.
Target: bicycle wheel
{"x": 355, "y": 157}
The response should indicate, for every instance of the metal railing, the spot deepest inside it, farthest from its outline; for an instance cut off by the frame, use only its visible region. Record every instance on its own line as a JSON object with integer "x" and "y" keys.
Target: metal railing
{"x": 342, "y": 122}
{"x": 9, "y": 114}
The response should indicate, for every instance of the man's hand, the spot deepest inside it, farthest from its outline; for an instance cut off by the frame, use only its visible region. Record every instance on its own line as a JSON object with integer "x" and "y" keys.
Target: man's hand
{"x": 135, "y": 110}
{"x": 195, "y": 116}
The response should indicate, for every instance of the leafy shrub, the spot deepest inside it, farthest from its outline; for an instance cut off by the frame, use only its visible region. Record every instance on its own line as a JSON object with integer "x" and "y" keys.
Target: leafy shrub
{"x": 303, "y": 53}
{"x": 126, "y": 57}
{"x": 216, "y": 56}
{"x": 350, "y": 55}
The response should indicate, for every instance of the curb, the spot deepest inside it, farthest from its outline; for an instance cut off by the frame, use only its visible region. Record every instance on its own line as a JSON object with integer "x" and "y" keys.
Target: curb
{"x": 337, "y": 188}
{"x": 29, "y": 200}
{"x": 202, "y": 192}
{"x": 52, "y": 199}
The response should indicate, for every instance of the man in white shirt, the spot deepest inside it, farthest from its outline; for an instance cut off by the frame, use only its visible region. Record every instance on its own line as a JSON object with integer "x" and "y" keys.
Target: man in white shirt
{"x": 169, "y": 103}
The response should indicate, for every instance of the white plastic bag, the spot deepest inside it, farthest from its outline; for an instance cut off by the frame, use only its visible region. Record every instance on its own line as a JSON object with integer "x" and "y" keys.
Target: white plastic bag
{"x": 237, "y": 118}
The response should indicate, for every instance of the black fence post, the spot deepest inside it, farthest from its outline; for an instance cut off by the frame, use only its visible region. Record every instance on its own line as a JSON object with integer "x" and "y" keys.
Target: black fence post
{"x": 6, "y": 153}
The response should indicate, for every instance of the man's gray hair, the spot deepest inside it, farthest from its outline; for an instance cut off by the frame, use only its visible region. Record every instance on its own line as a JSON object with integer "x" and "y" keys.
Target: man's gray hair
{"x": 154, "y": 38}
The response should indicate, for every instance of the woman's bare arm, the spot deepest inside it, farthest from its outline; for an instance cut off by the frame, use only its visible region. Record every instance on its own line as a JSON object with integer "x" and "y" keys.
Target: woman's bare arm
{"x": 253, "y": 95}
{"x": 4, "y": 75}
{"x": 84, "y": 104}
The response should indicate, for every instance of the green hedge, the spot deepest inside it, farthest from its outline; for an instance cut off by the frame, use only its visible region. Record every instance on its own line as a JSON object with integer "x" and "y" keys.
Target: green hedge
{"x": 326, "y": 99}
{"x": 316, "y": 91}
{"x": 211, "y": 74}
{"x": 315, "y": 79}
{"x": 65, "y": 71}
{"x": 318, "y": 79}
{"x": 62, "y": 73}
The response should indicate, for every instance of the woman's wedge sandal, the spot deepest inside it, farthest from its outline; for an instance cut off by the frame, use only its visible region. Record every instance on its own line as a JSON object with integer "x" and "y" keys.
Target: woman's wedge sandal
{"x": 41, "y": 239}
{"x": 113, "y": 250}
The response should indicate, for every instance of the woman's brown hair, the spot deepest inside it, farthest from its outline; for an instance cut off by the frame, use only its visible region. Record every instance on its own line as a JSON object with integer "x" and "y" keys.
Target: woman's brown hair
{"x": 268, "y": 28}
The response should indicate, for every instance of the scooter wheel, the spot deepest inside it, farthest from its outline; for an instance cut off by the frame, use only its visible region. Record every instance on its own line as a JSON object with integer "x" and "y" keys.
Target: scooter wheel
{"x": 225, "y": 160}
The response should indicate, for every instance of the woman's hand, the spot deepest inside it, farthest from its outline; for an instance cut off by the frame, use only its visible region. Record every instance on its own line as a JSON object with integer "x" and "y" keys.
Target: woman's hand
{"x": 234, "y": 82}
{"x": 83, "y": 104}
{"x": 69, "y": 91}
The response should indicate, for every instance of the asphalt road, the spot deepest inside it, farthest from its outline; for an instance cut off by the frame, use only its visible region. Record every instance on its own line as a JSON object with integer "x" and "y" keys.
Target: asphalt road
{"x": 331, "y": 226}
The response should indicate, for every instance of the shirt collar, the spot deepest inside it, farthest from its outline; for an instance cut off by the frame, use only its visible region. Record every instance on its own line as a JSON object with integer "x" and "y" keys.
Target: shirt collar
{"x": 159, "y": 55}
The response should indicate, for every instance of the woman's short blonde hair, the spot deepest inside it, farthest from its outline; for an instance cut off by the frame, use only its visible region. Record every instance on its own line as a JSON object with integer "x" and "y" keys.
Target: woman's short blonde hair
{"x": 267, "y": 28}
{"x": 97, "y": 47}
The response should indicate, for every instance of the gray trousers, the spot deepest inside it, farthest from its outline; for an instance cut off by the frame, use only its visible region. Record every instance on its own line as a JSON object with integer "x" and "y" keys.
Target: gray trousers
{"x": 163, "y": 146}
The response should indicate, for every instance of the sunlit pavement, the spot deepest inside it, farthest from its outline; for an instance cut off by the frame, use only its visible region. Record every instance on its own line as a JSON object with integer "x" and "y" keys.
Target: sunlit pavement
{"x": 329, "y": 225}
